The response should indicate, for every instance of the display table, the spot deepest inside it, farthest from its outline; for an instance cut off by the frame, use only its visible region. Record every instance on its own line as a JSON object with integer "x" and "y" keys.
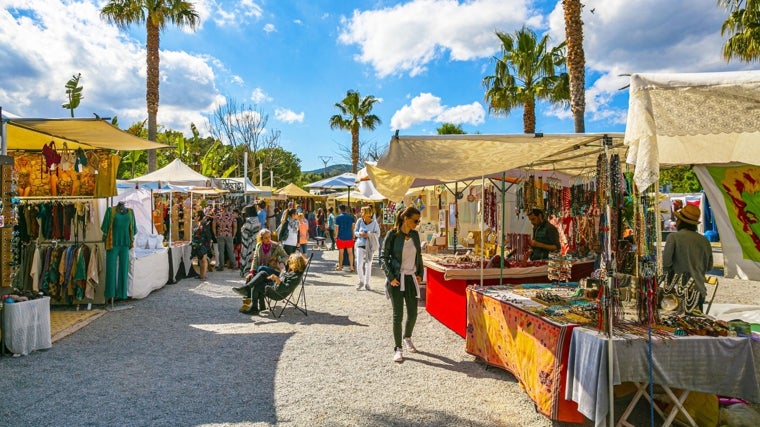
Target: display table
{"x": 726, "y": 366}
{"x": 445, "y": 287}
{"x": 529, "y": 346}
{"x": 148, "y": 271}
{"x": 26, "y": 326}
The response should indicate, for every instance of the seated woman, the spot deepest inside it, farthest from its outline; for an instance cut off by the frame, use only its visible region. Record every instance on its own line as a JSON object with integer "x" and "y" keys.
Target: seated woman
{"x": 268, "y": 256}
{"x": 284, "y": 284}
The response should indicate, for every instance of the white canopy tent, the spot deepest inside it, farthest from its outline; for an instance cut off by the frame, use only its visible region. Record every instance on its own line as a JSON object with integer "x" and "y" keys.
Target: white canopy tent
{"x": 705, "y": 120}
{"x": 177, "y": 173}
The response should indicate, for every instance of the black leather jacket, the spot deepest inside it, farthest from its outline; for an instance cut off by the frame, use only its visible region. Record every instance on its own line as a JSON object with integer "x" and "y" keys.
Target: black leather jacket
{"x": 392, "y": 248}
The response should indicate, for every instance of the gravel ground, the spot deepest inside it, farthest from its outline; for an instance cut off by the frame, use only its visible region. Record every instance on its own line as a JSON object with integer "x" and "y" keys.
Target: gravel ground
{"x": 186, "y": 356}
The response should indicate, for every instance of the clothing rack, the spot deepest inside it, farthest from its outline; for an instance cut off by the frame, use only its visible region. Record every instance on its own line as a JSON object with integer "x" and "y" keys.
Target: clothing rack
{"x": 55, "y": 198}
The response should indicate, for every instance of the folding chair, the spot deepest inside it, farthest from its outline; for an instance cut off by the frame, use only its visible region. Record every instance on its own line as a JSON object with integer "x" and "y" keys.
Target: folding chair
{"x": 273, "y": 298}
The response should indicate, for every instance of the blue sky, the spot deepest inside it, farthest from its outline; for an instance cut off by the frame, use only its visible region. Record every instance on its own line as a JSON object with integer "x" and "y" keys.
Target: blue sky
{"x": 424, "y": 60}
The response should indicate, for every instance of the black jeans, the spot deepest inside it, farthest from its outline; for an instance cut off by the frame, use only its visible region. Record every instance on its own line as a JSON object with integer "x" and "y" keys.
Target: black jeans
{"x": 409, "y": 295}
{"x": 259, "y": 283}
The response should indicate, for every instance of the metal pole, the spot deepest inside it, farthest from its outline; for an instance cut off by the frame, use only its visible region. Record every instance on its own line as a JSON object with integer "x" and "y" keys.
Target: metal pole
{"x": 503, "y": 222}
{"x": 245, "y": 169}
{"x": 482, "y": 214}
{"x": 3, "y": 139}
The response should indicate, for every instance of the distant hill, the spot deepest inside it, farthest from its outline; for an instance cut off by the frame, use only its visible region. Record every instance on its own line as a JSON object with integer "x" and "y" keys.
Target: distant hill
{"x": 332, "y": 170}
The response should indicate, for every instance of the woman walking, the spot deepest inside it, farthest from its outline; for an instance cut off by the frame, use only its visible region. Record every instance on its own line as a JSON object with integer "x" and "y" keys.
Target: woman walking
{"x": 402, "y": 265}
{"x": 367, "y": 233}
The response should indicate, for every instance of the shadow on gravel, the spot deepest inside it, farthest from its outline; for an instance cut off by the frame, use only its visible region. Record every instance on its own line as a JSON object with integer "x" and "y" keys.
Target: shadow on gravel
{"x": 473, "y": 368}
{"x": 424, "y": 418}
{"x": 295, "y": 317}
{"x": 178, "y": 358}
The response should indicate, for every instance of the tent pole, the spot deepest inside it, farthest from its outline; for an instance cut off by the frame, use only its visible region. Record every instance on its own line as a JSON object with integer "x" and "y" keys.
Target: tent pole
{"x": 609, "y": 298}
{"x": 482, "y": 214}
{"x": 503, "y": 224}
{"x": 171, "y": 200}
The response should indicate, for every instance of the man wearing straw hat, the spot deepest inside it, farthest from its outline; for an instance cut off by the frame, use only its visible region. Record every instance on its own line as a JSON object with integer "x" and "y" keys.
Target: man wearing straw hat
{"x": 688, "y": 252}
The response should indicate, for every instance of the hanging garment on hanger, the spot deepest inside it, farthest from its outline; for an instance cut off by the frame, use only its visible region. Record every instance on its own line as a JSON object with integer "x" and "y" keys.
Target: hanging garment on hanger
{"x": 93, "y": 273}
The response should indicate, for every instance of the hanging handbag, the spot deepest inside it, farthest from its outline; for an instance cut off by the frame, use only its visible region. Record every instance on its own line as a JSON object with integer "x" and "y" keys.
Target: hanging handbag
{"x": 67, "y": 158}
{"x": 50, "y": 154}
{"x": 80, "y": 159}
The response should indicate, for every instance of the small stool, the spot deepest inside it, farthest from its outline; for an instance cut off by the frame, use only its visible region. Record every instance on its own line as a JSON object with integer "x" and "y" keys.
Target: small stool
{"x": 320, "y": 242}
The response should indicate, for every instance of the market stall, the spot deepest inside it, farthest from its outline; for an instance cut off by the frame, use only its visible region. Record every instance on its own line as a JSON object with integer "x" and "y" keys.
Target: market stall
{"x": 503, "y": 332}
{"x": 720, "y": 365}
{"x": 61, "y": 168}
{"x": 446, "y": 284}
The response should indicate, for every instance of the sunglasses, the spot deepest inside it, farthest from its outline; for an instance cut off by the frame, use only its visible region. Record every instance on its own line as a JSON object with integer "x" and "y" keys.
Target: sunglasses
{"x": 416, "y": 221}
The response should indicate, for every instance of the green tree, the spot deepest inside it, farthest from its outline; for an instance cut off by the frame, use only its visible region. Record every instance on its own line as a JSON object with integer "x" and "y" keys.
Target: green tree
{"x": 286, "y": 166}
{"x": 450, "y": 129}
{"x": 73, "y": 93}
{"x": 680, "y": 179}
{"x": 526, "y": 71}
{"x": 743, "y": 28}
{"x": 355, "y": 114}
{"x": 576, "y": 62}
{"x": 155, "y": 14}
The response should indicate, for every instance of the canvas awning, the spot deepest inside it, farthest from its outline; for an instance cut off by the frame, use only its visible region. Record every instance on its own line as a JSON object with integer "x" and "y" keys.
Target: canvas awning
{"x": 692, "y": 118}
{"x": 448, "y": 158}
{"x": 32, "y": 134}
{"x": 292, "y": 190}
{"x": 176, "y": 172}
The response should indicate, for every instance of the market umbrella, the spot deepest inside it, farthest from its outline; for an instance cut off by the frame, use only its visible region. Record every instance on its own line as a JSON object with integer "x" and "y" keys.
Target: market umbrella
{"x": 345, "y": 180}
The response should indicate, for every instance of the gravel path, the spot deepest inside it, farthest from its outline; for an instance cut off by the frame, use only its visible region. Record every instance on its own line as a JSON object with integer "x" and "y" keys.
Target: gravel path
{"x": 185, "y": 356}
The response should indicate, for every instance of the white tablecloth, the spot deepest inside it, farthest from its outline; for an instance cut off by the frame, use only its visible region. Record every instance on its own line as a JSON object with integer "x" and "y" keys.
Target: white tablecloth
{"x": 26, "y": 326}
{"x": 727, "y": 366}
{"x": 148, "y": 271}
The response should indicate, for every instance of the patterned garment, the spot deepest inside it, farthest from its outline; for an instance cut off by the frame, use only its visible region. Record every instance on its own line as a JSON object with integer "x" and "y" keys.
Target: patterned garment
{"x": 224, "y": 224}
{"x": 248, "y": 240}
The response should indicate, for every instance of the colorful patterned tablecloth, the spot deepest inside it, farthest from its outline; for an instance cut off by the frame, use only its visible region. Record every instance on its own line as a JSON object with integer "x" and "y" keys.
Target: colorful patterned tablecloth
{"x": 532, "y": 348}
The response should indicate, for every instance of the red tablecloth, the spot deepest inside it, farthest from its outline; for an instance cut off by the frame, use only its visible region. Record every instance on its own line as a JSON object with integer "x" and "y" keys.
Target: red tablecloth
{"x": 445, "y": 287}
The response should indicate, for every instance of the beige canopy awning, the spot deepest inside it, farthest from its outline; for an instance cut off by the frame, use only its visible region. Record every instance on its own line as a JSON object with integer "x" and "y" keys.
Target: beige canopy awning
{"x": 451, "y": 158}
{"x": 292, "y": 190}
{"x": 32, "y": 134}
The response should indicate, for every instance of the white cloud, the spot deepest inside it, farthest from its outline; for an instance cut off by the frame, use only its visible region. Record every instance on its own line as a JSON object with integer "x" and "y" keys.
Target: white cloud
{"x": 427, "y": 107}
{"x": 405, "y": 38}
{"x": 639, "y": 36}
{"x": 258, "y": 96}
{"x": 269, "y": 28}
{"x": 298, "y": 22}
{"x": 238, "y": 14}
{"x": 288, "y": 116}
{"x": 39, "y": 38}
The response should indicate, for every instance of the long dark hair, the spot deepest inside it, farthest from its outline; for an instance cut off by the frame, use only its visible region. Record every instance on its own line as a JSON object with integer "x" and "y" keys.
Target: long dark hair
{"x": 409, "y": 212}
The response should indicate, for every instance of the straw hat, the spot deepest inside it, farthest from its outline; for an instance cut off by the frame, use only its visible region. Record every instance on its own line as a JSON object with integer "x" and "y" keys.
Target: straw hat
{"x": 689, "y": 214}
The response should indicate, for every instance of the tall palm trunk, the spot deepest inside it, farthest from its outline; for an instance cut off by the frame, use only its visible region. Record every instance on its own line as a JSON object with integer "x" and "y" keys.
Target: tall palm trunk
{"x": 354, "y": 150}
{"x": 529, "y": 115}
{"x": 576, "y": 62}
{"x": 151, "y": 93}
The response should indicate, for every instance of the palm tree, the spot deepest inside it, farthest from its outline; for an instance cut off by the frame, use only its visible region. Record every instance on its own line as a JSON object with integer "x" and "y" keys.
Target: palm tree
{"x": 355, "y": 113}
{"x": 576, "y": 62}
{"x": 525, "y": 72}
{"x": 743, "y": 28}
{"x": 155, "y": 14}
